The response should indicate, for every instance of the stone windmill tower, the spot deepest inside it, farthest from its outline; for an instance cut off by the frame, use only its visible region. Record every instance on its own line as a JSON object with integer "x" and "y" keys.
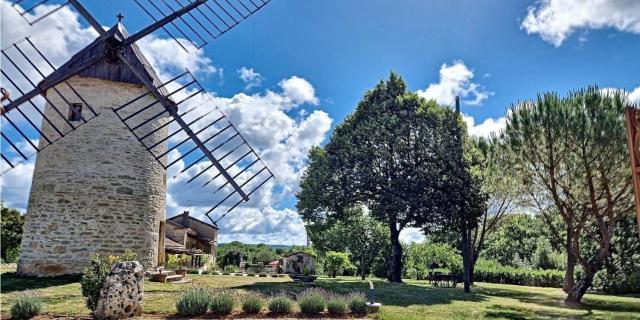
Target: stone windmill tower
{"x": 106, "y": 128}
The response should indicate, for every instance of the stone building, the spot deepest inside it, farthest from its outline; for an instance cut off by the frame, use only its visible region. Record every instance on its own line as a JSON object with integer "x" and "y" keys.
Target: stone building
{"x": 185, "y": 234}
{"x": 297, "y": 262}
{"x": 98, "y": 190}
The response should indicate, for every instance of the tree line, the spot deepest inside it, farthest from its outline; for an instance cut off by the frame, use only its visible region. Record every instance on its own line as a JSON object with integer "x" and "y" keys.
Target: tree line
{"x": 402, "y": 161}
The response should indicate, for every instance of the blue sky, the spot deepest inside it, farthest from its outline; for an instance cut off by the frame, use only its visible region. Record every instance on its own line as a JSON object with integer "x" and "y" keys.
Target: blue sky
{"x": 320, "y": 56}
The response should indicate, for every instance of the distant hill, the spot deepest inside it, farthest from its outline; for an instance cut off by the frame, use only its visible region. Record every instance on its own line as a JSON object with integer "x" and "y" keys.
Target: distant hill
{"x": 273, "y": 246}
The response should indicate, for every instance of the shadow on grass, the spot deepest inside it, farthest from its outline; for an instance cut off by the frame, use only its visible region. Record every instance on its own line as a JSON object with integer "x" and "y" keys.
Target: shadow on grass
{"x": 546, "y": 300}
{"x": 402, "y": 294}
{"x": 11, "y": 281}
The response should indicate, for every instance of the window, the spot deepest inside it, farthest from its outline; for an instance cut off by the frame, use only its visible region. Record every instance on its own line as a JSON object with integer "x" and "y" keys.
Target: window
{"x": 75, "y": 112}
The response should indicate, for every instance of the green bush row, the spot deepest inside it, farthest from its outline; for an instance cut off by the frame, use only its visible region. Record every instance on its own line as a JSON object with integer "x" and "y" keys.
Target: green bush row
{"x": 519, "y": 276}
{"x": 198, "y": 301}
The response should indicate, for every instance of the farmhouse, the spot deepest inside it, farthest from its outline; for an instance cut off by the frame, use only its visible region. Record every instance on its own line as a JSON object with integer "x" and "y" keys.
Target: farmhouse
{"x": 298, "y": 262}
{"x": 185, "y": 234}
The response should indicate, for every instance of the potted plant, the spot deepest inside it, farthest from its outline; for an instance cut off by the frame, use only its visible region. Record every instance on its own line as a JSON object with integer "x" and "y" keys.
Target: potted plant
{"x": 179, "y": 261}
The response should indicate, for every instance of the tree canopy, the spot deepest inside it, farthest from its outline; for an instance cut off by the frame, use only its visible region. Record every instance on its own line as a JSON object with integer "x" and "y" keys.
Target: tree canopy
{"x": 571, "y": 154}
{"x": 399, "y": 155}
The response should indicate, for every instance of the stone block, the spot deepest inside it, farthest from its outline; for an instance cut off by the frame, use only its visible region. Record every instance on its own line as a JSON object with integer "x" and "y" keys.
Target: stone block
{"x": 122, "y": 292}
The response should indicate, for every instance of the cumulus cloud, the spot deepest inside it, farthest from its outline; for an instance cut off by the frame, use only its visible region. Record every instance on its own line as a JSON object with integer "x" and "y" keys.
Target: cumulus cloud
{"x": 455, "y": 80}
{"x": 634, "y": 96}
{"x": 167, "y": 57}
{"x": 299, "y": 90}
{"x": 250, "y": 78}
{"x": 411, "y": 235}
{"x": 486, "y": 128}
{"x": 556, "y": 20}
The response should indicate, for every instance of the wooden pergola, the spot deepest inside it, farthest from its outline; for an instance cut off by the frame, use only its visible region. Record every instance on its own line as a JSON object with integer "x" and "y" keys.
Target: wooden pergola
{"x": 632, "y": 116}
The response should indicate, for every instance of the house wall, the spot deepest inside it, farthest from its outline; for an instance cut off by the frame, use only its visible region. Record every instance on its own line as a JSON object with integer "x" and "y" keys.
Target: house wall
{"x": 176, "y": 234}
{"x": 293, "y": 265}
{"x": 97, "y": 190}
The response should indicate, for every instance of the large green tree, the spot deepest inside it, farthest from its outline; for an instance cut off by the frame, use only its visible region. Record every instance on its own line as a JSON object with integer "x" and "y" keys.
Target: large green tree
{"x": 572, "y": 156}
{"x": 11, "y": 232}
{"x": 357, "y": 233}
{"x": 398, "y": 155}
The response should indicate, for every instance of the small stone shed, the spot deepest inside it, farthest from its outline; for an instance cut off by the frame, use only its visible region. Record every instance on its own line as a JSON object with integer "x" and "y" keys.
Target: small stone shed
{"x": 184, "y": 234}
{"x": 297, "y": 262}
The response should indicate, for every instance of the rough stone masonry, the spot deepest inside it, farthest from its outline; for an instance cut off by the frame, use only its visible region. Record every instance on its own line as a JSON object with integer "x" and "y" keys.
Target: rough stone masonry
{"x": 97, "y": 190}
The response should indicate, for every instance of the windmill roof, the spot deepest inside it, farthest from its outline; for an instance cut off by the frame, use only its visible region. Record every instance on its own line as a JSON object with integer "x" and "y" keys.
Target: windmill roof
{"x": 106, "y": 68}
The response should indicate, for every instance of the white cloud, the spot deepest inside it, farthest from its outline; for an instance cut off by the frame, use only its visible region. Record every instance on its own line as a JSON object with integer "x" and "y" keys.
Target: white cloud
{"x": 556, "y": 20}
{"x": 455, "y": 80}
{"x": 250, "y": 77}
{"x": 634, "y": 96}
{"x": 167, "y": 57}
{"x": 486, "y": 128}
{"x": 411, "y": 235}
{"x": 299, "y": 90}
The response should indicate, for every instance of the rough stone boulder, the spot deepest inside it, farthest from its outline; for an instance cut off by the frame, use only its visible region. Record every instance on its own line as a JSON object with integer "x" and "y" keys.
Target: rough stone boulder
{"x": 121, "y": 293}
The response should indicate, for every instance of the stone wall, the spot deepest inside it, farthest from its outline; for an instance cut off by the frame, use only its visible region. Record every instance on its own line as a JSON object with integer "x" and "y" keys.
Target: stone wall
{"x": 97, "y": 190}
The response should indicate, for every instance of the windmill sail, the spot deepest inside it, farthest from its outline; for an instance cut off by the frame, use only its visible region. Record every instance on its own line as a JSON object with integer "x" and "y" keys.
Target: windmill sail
{"x": 205, "y": 21}
{"x": 200, "y": 138}
{"x": 222, "y": 160}
{"x": 27, "y": 75}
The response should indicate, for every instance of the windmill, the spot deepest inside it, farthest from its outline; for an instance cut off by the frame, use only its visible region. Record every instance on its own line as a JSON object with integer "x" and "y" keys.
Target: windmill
{"x": 111, "y": 128}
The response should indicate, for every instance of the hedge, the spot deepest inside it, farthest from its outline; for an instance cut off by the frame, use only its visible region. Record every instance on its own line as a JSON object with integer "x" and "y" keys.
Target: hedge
{"x": 519, "y": 276}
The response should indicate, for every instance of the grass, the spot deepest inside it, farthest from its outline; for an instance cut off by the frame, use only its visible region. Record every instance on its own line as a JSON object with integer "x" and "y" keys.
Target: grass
{"x": 410, "y": 300}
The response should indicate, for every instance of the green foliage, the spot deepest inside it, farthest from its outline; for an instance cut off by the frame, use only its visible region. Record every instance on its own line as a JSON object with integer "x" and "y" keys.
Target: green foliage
{"x": 26, "y": 307}
{"x": 252, "y": 304}
{"x": 11, "y": 225}
{"x": 399, "y": 154}
{"x": 177, "y": 260}
{"x": 493, "y": 272}
{"x": 230, "y": 268}
{"x": 516, "y": 237}
{"x": 337, "y": 306}
{"x": 571, "y": 155}
{"x": 194, "y": 302}
{"x": 94, "y": 276}
{"x": 222, "y": 303}
{"x": 358, "y": 305}
{"x": 234, "y": 252}
{"x": 336, "y": 262}
{"x": 420, "y": 257}
{"x": 621, "y": 270}
{"x": 265, "y": 255}
{"x": 280, "y": 305}
{"x": 311, "y": 301}
{"x": 543, "y": 256}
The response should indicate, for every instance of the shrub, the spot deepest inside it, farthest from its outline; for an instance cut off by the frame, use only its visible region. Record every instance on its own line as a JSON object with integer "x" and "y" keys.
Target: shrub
{"x": 358, "y": 305}
{"x": 26, "y": 307}
{"x": 337, "y": 306}
{"x": 262, "y": 275}
{"x": 518, "y": 276}
{"x": 238, "y": 274}
{"x": 280, "y": 305}
{"x": 311, "y": 301}
{"x": 230, "y": 268}
{"x": 252, "y": 305}
{"x": 222, "y": 304}
{"x": 194, "y": 302}
{"x": 94, "y": 275}
{"x": 251, "y": 274}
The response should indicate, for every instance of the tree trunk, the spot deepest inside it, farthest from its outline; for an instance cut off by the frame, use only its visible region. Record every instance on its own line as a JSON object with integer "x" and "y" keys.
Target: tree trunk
{"x": 362, "y": 268}
{"x": 396, "y": 254}
{"x": 576, "y": 293}
{"x": 569, "y": 281}
{"x": 466, "y": 261}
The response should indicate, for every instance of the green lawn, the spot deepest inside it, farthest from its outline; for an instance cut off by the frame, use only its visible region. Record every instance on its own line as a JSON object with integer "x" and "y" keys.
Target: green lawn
{"x": 411, "y": 300}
